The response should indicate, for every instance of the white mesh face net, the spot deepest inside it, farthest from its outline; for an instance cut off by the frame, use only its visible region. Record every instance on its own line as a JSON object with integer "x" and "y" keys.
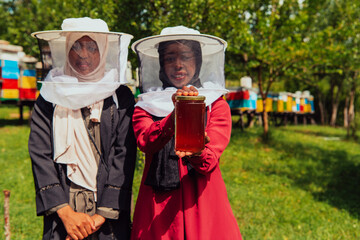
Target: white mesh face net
{"x": 180, "y": 60}
{"x": 55, "y": 49}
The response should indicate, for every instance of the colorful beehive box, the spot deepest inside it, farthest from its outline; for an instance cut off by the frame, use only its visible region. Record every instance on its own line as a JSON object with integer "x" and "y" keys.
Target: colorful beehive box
{"x": 9, "y": 94}
{"x": 259, "y": 104}
{"x": 28, "y": 79}
{"x": 9, "y": 64}
{"x": 275, "y": 101}
{"x": 312, "y": 106}
{"x": 239, "y": 99}
{"x": 9, "y": 69}
{"x": 284, "y": 100}
{"x": 9, "y": 74}
{"x": 269, "y": 103}
{"x": 9, "y": 83}
{"x": 28, "y": 82}
{"x": 297, "y": 96}
{"x": 9, "y": 77}
{"x": 253, "y": 100}
{"x": 27, "y": 94}
{"x": 289, "y": 105}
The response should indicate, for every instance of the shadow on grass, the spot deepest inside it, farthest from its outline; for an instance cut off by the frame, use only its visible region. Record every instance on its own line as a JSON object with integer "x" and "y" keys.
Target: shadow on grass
{"x": 13, "y": 122}
{"x": 332, "y": 176}
{"x": 10, "y": 115}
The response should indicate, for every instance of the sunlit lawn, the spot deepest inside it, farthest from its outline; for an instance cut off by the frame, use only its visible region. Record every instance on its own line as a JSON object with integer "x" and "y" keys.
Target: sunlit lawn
{"x": 303, "y": 184}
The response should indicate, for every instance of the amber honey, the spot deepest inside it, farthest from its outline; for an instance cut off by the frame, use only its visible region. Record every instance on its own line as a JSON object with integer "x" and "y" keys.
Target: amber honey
{"x": 189, "y": 123}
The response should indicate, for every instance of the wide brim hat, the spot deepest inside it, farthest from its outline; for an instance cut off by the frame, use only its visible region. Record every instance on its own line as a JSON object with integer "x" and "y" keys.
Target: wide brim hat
{"x": 79, "y": 25}
{"x": 149, "y": 45}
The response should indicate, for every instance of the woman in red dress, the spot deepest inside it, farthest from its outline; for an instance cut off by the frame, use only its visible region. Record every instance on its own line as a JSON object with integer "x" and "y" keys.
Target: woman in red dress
{"x": 182, "y": 194}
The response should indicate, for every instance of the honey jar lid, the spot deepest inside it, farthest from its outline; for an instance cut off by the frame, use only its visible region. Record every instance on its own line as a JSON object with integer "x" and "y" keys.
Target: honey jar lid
{"x": 190, "y": 98}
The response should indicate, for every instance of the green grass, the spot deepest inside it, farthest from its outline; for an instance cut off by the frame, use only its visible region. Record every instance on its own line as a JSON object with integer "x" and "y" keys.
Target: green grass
{"x": 302, "y": 184}
{"x": 16, "y": 176}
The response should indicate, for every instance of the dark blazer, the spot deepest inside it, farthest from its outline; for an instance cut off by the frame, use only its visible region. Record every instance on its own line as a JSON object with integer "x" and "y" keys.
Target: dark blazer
{"x": 115, "y": 173}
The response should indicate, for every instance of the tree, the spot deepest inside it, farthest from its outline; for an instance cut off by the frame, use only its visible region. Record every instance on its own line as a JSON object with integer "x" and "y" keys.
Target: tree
{"x": 275, "y": 45}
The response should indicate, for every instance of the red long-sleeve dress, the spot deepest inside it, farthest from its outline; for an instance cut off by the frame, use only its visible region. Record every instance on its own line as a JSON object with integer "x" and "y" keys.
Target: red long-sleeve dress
{"x": 200, "y": 208}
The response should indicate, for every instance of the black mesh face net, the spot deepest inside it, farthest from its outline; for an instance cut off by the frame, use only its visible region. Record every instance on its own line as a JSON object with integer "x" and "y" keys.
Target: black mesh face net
{"x": 53, "y": 51}
{"x": 46, "y": 59}
{"x": 208, "y": 65}
{"x": 195, "y": 52}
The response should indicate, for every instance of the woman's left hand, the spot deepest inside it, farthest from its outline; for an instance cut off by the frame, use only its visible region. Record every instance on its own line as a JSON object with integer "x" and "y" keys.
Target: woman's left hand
{"x": 181, "y": 154}
{"x": 99, "y": 221}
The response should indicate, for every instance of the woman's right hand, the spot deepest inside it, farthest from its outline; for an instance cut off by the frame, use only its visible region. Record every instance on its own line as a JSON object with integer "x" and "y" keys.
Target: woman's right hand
{"x": 185, "y": 91}
{"x": 77, "y": 225}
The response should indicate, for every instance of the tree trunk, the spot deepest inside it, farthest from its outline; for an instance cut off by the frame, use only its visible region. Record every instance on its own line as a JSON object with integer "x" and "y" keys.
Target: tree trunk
{"x": 346, "y": 113}
{"x": 263, "y": 96}
{"x": 251, "y": 119}
{"x": 321, "y": 109}
{"x": 265, "y": 123}
{"x": 260, "y": 119}
{"x": 351, "y": 105}
{"x": 334, "y": 109}
{"x": 351, "y": 118}
{"x": 335, "y": 106}
{"x": 265, "y": 117}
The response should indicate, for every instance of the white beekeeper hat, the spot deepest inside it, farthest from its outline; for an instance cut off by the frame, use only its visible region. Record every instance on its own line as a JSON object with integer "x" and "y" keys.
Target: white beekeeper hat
{"x": 84, "y": 24}
{"x": 156, "y": 96}
{"x": 54, "y": 41}
{"x": 149, "y": 45}
{"x": 60, "y": 87}
{"x": 212, "y": 53}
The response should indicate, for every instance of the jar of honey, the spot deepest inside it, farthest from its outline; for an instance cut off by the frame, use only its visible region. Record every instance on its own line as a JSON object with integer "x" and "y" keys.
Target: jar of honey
{"x": 189, "y": 123}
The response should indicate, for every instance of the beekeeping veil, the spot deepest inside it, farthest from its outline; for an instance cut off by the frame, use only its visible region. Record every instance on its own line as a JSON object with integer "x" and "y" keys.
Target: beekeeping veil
{"x": 155, "y": 86}
{"x": 62, "y": 84}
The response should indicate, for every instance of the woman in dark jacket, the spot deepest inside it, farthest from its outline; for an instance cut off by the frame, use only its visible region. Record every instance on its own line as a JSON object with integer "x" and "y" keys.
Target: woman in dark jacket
{"x": 81, "y": 143}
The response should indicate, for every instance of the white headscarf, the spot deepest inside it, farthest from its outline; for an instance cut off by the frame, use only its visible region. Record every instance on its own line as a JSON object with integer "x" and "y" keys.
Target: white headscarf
{"x": 71, "y": 141}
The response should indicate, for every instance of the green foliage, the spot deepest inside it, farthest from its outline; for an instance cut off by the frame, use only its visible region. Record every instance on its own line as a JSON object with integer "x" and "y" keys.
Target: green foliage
{"x": 300, "y": 45}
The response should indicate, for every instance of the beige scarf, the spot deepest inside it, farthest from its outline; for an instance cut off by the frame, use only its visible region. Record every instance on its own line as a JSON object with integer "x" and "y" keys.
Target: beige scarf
{"x": 71, "y": 140}
{"x": 72, "y": 144}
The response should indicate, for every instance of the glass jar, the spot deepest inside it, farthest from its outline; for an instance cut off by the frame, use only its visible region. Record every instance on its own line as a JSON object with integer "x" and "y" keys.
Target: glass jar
{"x": 189, "y": 123}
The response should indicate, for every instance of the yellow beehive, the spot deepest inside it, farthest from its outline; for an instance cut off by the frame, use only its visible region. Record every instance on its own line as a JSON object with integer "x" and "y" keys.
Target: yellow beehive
{"x": 268, "y": 104}
{"x": 27, "y": 82}
{"x": 289, "y": 103}
{"x": 259, "y": 105}
{"x": 10, "y": 93}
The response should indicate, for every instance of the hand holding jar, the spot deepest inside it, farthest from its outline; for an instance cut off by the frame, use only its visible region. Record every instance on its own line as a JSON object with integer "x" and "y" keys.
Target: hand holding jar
{"x": 190, "y": 135}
